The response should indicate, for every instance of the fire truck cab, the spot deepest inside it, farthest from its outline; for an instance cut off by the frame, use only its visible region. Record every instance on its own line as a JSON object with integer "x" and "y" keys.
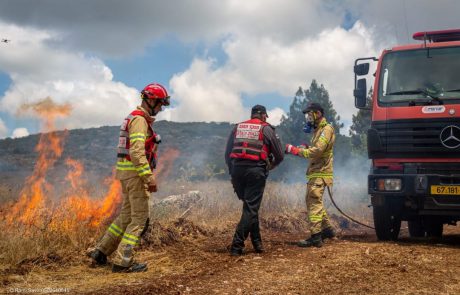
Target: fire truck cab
{"x": 414, "y": 137}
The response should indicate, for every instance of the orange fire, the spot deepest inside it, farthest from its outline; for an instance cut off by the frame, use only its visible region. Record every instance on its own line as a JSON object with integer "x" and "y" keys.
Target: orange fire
{"x": 76, "y": 207}
{"x": 31, "y": 204}
{"x": 81, "y": 206}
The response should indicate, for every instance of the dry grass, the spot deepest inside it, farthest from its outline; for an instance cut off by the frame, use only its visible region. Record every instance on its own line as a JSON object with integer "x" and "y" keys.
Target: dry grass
{"x": 25, "y": 245}
{"x": 218, "y": 210}
{"x": 220, "y": 206}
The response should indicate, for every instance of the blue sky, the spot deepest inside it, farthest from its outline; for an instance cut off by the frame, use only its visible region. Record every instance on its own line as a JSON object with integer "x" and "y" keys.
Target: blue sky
{"x": 217, "y": 59}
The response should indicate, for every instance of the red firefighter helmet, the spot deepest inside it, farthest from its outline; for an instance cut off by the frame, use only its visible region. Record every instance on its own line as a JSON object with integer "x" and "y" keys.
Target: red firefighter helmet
{"x": 155, "y": 91}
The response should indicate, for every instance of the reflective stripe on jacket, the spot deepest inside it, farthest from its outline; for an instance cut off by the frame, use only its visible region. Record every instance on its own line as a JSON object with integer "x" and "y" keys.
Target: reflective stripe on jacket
{"x": 320, "y": 153}
{"x": 135, "y": 146}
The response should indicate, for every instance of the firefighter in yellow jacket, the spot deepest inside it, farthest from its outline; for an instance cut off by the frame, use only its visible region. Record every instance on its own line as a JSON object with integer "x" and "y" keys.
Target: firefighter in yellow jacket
{"x": 136, "y": 158}
{"x": 319, "y": 173}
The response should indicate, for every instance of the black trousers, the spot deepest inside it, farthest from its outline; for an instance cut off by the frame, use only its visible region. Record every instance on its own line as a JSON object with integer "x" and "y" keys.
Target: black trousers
{"x": 249, "y": 185}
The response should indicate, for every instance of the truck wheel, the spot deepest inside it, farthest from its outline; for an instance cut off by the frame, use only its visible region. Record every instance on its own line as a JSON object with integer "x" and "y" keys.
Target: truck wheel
{"x": 434, "y": 228}
{"x": 416, "y": 228}
{"x": 387, "y": 222}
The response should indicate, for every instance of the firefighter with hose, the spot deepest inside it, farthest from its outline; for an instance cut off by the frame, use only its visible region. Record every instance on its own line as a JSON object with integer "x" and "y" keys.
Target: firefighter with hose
{"x": 319, "y": 173}
{"x": 136, "y": 154}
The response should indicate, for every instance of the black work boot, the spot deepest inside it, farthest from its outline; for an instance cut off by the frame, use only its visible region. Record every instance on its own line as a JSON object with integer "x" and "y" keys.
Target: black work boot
{"x": 236, "y": 251}
{"x": 237, "y": 246}
{"x": 328, "y": 233}
{"x": 135, "y": 267}
{"x": 258, "y": 247}
{"x": 315, "y": 240}
{"x": 99, "y": 258}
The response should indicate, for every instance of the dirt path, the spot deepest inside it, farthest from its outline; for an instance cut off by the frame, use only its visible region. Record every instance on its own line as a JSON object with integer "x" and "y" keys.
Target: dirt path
{"x": 354, "y": 264}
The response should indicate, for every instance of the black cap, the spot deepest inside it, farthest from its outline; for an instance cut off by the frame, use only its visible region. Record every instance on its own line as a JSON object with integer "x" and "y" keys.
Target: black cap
{"x": 313, "y": 106}
{"x": 258, "y": 109}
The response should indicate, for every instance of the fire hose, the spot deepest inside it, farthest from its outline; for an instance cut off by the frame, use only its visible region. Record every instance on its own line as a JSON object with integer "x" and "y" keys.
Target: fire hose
{"x": 343, "y": 213}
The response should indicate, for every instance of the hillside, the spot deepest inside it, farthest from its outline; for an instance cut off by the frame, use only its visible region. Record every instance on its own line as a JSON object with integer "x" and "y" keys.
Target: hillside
{"x": 190, "y": 152}
{"x": 201, "y": 147}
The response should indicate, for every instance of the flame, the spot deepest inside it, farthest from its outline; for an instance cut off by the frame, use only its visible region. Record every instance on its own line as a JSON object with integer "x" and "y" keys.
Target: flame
{"x": 49, "y": 148}
{"x": 165, "y": 163}
{"x": 75, "y": 172}
{"x": 76, "y": 207}
{"x": 81, "y": 207}
{"x": 110, "y": 202}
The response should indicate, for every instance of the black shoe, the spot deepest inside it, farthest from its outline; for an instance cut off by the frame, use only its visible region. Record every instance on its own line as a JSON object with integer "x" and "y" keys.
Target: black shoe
{"x": 328, "y": 233}
{"x": 98, "y": 257}
{"x": 314, "y": 241}
{"x": 236, "y": 252}
{"x": 136, "y": 267}
{"x": 258, "y": 247}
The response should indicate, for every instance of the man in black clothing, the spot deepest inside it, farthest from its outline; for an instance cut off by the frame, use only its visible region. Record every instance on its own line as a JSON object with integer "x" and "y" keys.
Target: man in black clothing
{"x": 253, "y": 148}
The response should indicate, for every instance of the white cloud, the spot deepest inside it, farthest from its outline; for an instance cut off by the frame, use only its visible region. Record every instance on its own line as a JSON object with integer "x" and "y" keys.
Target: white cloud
{"x": 38, "y": 70}
{"x": 20, "y": 132}
{"x": 3, "y": 129}
{"x": 271, "y": 45}
{"x": 134, "y": 24}
{"x": 205, "y": 94}
{"x": 259, "y": 64}
{"x": 84, "y": 24}
{"x": 398, "y": 19}
{"x": 275, "y": 115}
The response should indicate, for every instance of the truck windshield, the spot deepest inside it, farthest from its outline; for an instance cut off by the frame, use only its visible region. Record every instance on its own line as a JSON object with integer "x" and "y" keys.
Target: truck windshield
{"x": 418, "y": 75}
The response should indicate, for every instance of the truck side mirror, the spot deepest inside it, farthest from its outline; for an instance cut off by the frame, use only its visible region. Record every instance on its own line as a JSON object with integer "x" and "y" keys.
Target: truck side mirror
{"x": 361, "y": 69}
{"x": 360, "y": 93}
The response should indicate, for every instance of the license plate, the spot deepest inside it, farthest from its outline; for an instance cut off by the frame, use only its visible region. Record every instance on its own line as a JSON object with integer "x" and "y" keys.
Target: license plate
{"x": 445, "y": 189}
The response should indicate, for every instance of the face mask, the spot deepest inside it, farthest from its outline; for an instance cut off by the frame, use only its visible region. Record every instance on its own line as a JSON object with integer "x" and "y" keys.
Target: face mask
{"x": 310, "y": 117}
{"x": 307, "y": 128}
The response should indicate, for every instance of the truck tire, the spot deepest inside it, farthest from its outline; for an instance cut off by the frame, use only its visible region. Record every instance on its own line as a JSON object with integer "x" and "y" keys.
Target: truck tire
{"x": 434, "y": 228}
{"x": 416, "y": 228}
{"x": 387, "y": 222}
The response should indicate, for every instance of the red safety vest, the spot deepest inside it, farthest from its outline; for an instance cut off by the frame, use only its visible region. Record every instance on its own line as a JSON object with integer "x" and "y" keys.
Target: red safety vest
{"x": 248, "y": 142}
{"x": 123, "y": 140}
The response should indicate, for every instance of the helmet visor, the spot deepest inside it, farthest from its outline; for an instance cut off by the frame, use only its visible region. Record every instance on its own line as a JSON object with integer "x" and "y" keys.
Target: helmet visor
{"x": 165, "y": 101}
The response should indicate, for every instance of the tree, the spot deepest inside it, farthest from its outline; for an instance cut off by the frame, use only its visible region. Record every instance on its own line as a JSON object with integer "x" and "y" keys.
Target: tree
{"x": 320, "y": 95}
{"x": 291, "y": 125}
{"x": 360, "y": 124}
{"x": 290, "y": 131}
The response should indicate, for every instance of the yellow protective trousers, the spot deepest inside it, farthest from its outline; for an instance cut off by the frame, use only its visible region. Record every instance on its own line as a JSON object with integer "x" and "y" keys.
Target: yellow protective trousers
{"x": 124, "y": 233}
{"x": 317, "y": 215}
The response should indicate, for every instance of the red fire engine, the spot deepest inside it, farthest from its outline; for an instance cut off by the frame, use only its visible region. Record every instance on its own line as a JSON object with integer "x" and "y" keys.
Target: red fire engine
{"x": 414, "y": 137}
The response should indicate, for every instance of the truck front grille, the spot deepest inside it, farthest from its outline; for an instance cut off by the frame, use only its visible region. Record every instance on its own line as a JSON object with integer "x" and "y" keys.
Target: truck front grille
{"x": 414, "y": 138}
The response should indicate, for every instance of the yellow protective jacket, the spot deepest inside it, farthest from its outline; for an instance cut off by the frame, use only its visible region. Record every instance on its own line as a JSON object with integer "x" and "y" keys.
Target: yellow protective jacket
{"x": 320, "y": 153}
{"x": 139, "y": 131}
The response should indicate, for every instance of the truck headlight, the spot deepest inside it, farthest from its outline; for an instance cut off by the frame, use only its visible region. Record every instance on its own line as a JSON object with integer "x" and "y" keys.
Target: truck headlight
{"x": 389, "y": 184}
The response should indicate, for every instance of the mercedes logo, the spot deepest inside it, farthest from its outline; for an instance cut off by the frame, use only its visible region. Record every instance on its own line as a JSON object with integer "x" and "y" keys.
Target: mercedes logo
{"x": 450, "y": 137}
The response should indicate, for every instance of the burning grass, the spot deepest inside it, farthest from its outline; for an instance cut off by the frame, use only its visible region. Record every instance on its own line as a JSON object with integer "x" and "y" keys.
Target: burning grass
{"x": 198, "y": 209}
{"x": 42, "y": 223}
{"x": 45, "y": 222}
